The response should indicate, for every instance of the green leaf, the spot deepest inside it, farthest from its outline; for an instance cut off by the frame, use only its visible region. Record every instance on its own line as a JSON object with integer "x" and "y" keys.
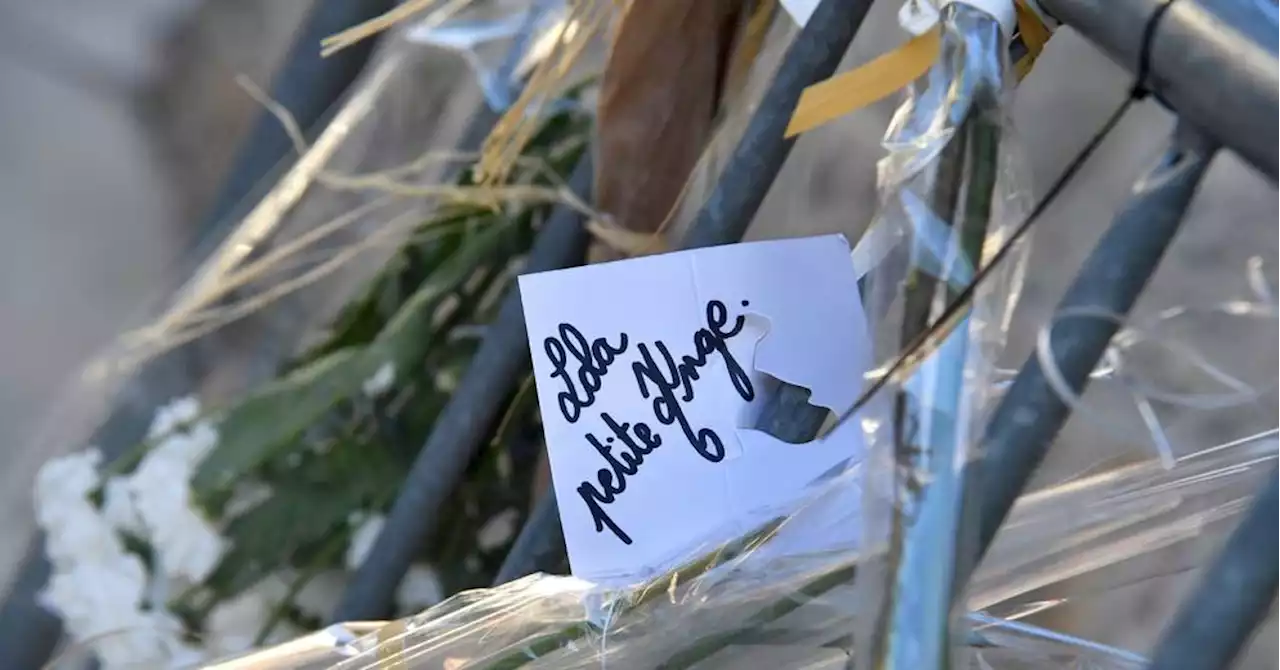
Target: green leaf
{"x": 269, "y": 536}
{"x": 266, "y": 422}
{"x": 363, "y": 318}
{"x": 412, "y": 332}
{"x": 278, "y": 413}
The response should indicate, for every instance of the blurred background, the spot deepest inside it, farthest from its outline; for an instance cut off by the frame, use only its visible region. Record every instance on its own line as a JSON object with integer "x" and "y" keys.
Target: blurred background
{"x": 118, "y": 122}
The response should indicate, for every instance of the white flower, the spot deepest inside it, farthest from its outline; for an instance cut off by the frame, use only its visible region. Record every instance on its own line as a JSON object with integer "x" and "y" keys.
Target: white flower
{"x": 277, "y": 587}
{"x": 362, "y": 540}
{"x": 184, "y": 656}
{"x": 98, "y": 601}
{"x": 498, "y": 530}
{"x": 233, "y": 625}
{"x": 118, "y": 507}
{"x": 171, "y": 416}
{"x": 447, "y": 380}
{"x": 137, "y": 646}
{"x": 189, "y": 447}
{"x": 74, "y": 531}
{"x": 319, "y": 598}
{"x": 187, "y": 546}
{"x": 381, "y": 381}
{"x": 72, "y": 476}
{"x": 78, "y": 534}
{"x": 98, "y": 589}
{"x": 81, "y": 594}
{"x": 419, "y": 590}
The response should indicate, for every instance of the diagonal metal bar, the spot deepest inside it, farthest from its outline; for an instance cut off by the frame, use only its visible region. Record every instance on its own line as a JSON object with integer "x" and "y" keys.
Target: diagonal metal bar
{"x": 756, "y": 161}
{"x": 463, "y": 425}
{"x": 1199, "y": 59}
{"x": 307, "y": 85}
{"x": 540, "y": 545}
{"x": 1031, "y": 413}
{"x": 1233, "y": 596}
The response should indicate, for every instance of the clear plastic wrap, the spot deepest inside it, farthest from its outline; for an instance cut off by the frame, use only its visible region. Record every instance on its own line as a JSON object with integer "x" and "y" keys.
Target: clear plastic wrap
{"x": 949, "y": 198}
{"x": 749, "y": 604}
{"x": 501, "y": 41}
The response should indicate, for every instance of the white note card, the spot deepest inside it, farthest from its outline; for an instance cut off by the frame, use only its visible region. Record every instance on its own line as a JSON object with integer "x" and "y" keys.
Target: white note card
{"x": 800, "y": 10}
{"x": 649, "y": 372}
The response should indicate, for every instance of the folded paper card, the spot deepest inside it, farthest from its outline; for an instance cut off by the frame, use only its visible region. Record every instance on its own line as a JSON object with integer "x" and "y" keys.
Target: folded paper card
{"x": 649, "y": 372}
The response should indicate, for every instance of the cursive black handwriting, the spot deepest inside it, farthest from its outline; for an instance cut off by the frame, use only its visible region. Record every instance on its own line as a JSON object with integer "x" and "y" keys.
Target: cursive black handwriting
{"x": 593, "y": 362}
{"x": 663, "y": 379}
{"x": 613, "y": 479}
{"x": 670, "y": 376}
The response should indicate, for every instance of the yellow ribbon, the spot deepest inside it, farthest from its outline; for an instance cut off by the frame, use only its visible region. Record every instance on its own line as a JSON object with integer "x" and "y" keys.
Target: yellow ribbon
{"x": 1034, "y": 35}
{"x": 848, "y": 92}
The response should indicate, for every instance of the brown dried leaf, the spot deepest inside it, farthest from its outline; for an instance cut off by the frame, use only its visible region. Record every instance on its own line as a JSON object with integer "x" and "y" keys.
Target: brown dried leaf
{"x": 660, "y": 91}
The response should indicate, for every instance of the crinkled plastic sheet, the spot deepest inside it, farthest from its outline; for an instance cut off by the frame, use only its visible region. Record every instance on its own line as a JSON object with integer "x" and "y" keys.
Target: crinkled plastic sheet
{"x": 760, "y": 608}
{"x": 502, "y": 41}
{"x": 950, "y": 197}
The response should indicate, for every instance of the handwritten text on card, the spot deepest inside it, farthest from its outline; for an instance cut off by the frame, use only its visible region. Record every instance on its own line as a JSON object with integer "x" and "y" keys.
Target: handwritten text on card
{"x": 648, "y": 371}
{"x": 669, "y": 383}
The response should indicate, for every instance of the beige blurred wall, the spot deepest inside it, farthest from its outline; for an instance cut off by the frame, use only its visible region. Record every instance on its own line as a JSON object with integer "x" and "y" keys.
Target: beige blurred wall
{"x": 116, "y": 122}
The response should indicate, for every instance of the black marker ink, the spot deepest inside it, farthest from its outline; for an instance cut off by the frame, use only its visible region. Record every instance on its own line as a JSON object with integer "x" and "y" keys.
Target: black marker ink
{"x": 613, "y": 480}
{"x": 713, "y": 338}
{"x": 666, "y": 382}
{"x": 670, "y": 376}
{"x": 593, "y": 359}
{"x": 594, "y": 499}
{"x": 667, "y": 407}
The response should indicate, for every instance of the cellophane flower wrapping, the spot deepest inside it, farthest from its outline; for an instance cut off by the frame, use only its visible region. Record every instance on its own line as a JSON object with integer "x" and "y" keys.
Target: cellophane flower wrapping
{"x": 951, "y": 197}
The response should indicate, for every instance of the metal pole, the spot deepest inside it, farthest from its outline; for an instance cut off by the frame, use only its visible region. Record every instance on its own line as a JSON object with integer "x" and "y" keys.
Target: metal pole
{"x": 540, "y": 545}
{"x": 1233, "y": 596}
{"x": 1201, "y": 61}
{"x": 1032, "y": 412}
{"x": 463, "y": 425}
{"x": 758, "y": 158}
{"x": 307, "y": 85}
